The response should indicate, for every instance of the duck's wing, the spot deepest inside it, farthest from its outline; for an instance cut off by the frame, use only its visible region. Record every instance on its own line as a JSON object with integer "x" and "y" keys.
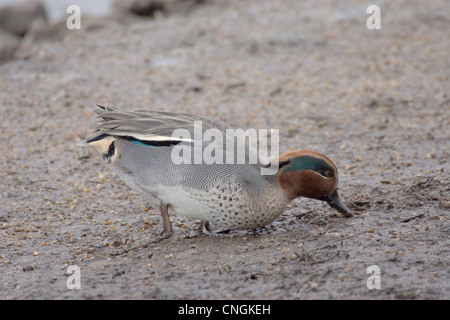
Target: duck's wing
{"x": 150, "y": 125}
{"x": 159, "y": 128}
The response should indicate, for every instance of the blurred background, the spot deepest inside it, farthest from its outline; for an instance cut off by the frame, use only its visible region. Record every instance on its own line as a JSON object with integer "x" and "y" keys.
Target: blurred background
{"x": 56, "y": 9}
{"x": 45, "y": 19}
{"x": 376, "y": 102}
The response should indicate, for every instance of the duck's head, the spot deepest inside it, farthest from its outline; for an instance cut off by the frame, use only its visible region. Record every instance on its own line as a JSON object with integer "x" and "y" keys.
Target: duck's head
{"x": 305, "y": 173}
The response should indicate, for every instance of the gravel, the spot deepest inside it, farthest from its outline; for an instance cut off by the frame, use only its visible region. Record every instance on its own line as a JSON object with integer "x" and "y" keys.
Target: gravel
{"x": 375, "y": 101}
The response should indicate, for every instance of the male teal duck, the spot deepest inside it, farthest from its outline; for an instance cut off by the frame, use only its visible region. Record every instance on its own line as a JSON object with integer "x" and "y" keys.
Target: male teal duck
{"x": 140, "y": 145}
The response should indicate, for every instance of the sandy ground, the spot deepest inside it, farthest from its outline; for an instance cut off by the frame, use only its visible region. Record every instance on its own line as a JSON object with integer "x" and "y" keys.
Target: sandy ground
{"x": 375, "y": 101}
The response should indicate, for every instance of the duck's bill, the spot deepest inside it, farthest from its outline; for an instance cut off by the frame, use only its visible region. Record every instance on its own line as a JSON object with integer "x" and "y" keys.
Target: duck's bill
{"x": 335, "y": 202}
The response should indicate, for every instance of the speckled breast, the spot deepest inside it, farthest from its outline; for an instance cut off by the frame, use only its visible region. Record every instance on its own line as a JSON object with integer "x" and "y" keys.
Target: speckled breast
{"x": 235, "y": 207}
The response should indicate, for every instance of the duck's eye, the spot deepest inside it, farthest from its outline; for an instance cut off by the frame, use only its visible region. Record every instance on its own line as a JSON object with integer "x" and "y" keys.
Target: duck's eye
{"x": 327, "y": 173}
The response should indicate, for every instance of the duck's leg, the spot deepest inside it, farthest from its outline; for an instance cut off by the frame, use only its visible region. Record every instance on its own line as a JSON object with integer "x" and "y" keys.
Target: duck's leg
{"x": 203, "y": 226}
{"x": 206, "y": 228}
{"x": 167, "y": 226}
{"x": 165, "y": 233}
